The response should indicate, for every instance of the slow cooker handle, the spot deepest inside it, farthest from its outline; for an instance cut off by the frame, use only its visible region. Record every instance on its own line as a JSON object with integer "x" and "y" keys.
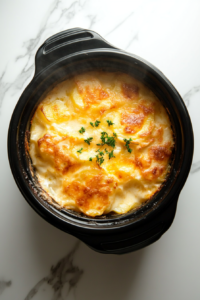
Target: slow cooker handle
{"x": 67, "y": 43}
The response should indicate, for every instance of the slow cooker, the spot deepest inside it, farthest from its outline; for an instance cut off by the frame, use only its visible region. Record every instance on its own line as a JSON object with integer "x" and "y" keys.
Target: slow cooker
{"x": 62, "y": 56}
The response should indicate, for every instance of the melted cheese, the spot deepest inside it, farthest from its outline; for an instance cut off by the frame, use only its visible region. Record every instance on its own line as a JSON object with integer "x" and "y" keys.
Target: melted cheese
{"x": 125, "y": 180}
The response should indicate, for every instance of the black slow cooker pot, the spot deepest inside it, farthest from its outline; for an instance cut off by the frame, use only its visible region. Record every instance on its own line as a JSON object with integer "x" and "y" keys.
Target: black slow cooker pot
{"x": 62, "y": 56}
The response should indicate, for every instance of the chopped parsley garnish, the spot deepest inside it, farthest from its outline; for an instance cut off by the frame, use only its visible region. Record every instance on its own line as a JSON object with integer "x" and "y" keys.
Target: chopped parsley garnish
{"x": 110, "y": 122}
{"x": 127, "y": 141}
{"x": 88, "y": 140}
{"x": 110, "y": 155}
{"x": 80, "y": 150}
{"x": 100, "y": 152}
{"x": 99, "y": 160}
{"x": 107, "y": 140}
{"x": 103, "y": 138}
{"x": 97, "y": 123}
{"x": 82, "y": 130}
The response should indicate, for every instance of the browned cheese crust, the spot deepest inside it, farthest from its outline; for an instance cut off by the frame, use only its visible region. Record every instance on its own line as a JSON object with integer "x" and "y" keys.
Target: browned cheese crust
{"x": 101, "y": 142}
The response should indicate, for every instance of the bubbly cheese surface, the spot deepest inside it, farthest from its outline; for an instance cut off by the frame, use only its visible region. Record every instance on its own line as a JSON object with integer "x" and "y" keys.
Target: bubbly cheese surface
{"x": 101, "y": 142}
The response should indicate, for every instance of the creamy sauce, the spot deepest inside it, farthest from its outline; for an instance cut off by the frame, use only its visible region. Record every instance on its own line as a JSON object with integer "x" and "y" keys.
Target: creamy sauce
{"x": 101, "y": 142}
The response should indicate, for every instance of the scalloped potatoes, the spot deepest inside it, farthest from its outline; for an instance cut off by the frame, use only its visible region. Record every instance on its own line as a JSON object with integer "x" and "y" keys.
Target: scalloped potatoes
{"x": 101, "y": 142}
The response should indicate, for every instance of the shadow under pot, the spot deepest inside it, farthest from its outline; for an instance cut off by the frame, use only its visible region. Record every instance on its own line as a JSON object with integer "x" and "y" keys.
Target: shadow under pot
{"x": 63, "y": 56}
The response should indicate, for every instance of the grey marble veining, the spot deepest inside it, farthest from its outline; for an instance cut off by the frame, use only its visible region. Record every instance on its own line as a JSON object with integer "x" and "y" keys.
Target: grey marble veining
{"x": 187, "y": 99}
{"x": 134, "y": 38}
{"x": 3, "y": 285}
{"x": 165, "y": 35}
{"x": 63, "y": 277}
{"x": 4, "y": 86}
{"x": 17, "y": 84}
{"x": 63, "y": 13}
{"x": 93, "y": 20}
{"x": 64, "y": 16}
{"x": 195, "y": 167}
{"x": 189, "y": 94}
{"x": 119, "y": 24}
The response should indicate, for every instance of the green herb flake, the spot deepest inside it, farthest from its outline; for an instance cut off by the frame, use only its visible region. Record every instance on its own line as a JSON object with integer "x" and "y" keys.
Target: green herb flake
{"x": 88, "y": 140}
{"x": 82, "y": 130}
{"x": 97, "y": 123}
{"x": 99, "y": 160}
{"x": 92, "y": 124}
{"x": 110, "y": 155}
{"x": 111, "y": 142}
{"x": 100, "y": 152}
{"x": 80, "y": 150}
{"x": 109, "y": 122}
{"x": 107, "y": 140}
{"x": 127, "y": 141}
{"x": 103, "y": 137}
{"x": 90, "y": 159}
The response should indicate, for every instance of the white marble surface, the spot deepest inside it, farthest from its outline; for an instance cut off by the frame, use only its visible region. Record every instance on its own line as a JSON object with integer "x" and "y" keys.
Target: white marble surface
{"x": 166, "y": 33}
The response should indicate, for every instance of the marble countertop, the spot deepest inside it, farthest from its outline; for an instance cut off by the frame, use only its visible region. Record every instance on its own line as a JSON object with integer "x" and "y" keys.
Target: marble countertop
{"x": 38, "y": 261}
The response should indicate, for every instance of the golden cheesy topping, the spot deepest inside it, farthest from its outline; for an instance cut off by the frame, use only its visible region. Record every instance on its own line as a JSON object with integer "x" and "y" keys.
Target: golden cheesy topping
{"x": 101, "y": 142}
